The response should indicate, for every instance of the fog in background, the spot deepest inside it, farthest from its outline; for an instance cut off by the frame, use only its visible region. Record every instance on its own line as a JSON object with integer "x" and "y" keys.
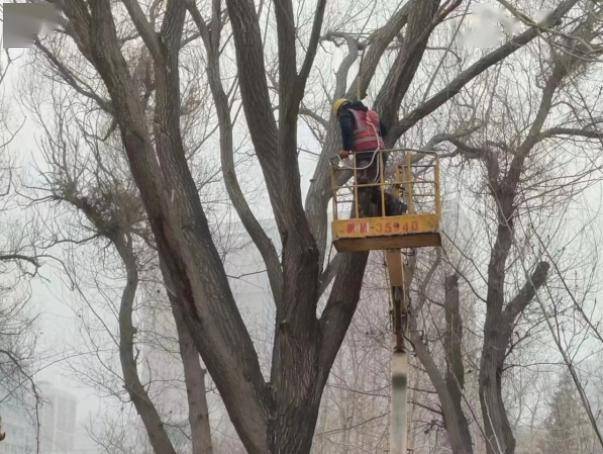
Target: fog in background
{"x": 59, "y": 307}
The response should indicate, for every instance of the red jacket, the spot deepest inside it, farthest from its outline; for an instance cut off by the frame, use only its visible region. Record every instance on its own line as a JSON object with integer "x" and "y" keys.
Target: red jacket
{"x": 367, "y": 130}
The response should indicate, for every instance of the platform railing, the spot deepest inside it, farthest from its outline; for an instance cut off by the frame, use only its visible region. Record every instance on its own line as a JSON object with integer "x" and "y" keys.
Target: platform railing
{"x": 411, "y": 180}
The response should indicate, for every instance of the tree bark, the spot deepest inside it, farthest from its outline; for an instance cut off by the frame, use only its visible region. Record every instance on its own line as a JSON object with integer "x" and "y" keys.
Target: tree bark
{"x": 194, "y": 378}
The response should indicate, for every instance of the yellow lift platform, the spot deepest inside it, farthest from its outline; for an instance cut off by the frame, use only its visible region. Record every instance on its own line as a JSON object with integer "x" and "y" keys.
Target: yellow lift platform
{"x": 414, "y": 180}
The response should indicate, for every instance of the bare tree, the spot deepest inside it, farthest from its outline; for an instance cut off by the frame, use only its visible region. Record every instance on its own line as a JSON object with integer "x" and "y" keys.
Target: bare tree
{"x": 19, "y": 262}
{"x": 89, "y": 176}
{"x": 519, "y": 179}
{"x": 277, "y": 413}
{"x": 567, "y": 424}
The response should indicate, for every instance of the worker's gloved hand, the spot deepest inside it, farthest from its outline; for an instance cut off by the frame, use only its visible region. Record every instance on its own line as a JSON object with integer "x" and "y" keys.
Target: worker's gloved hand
{"x": 344, "y": 154}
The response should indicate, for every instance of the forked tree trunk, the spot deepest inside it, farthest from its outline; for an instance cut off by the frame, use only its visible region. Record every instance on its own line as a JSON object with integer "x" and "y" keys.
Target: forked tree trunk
{"x": 278, "y": 416}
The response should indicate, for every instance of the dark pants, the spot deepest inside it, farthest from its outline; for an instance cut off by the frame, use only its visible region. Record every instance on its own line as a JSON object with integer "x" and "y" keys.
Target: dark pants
{"x": 369, "y": 198}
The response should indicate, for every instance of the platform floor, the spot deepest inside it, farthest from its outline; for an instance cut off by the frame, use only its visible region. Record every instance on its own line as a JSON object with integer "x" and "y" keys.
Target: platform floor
{"x": 406, "y": 241}
{"x": 406, "y": 231}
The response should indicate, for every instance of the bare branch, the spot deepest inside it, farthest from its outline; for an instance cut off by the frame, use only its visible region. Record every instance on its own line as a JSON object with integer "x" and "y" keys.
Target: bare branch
{"x": 145, "y": 28}
{"x": 455, "y": 86}
{"x": 526, "y": 294}
{"x": 312, "y": 47}
{"x": 19, "y": 257}
{"x": 73, "y": 80}
{"x": 253, "y": 227}
{"x": 587, "y": 133}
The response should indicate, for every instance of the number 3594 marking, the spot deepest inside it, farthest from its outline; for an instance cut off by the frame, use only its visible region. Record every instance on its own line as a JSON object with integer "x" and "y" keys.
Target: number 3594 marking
{"x": 395, "y": 227}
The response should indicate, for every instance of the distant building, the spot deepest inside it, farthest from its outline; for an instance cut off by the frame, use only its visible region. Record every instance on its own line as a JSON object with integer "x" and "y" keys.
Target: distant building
{"x": 16, "y": 409}
{"x": 58, "y": 413}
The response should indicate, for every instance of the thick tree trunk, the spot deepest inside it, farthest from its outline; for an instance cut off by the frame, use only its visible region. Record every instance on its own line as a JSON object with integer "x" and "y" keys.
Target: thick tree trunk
{"x": 293, "y": 428}
{"x": 303, "y": 359}
{"x": 499, "y": 434}
{"x": 295, "y": 375}
{"x": 296, "y": 389}
{"x": 455, "y": 370}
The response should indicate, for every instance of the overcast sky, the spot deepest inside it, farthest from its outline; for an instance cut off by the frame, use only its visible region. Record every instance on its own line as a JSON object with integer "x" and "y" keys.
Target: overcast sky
{"x": 54, "y": 301}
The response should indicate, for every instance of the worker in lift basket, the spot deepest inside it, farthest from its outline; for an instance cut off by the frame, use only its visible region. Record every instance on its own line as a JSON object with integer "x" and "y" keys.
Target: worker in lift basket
{"x": 362, "y": 133}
